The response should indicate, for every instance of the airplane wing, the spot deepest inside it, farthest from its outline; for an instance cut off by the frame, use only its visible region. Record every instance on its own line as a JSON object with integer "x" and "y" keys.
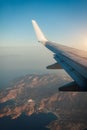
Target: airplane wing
{"x": 72, "y": 60}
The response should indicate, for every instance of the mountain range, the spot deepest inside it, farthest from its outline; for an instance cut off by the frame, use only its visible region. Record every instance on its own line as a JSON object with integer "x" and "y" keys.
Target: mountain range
{"x": 35, "y": 93}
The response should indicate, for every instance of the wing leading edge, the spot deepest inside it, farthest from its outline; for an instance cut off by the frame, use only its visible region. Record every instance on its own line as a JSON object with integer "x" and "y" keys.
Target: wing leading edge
{"x": 74, "y": 61}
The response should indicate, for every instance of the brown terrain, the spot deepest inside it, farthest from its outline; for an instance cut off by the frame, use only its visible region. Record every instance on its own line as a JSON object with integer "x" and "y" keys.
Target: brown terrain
{"x": 39, "y": 93}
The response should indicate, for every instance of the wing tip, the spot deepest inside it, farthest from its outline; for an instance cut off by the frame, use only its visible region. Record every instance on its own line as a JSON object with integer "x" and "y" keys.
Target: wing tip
{"x": 33, "y": 21}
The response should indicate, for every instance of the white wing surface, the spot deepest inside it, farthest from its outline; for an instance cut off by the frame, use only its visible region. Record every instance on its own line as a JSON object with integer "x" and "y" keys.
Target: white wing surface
{"x": 73, "y": 61}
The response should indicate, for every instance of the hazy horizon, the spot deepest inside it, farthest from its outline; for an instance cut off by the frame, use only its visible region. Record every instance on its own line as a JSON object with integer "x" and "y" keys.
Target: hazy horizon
{"x": 19, "y": 61}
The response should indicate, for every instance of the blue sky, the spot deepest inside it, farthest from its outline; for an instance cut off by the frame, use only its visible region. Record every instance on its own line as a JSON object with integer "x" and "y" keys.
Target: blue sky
{"x": 63, "y": 21}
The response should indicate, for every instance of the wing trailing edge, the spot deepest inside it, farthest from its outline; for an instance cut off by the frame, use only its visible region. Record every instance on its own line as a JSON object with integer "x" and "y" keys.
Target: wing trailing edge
{"x": 54, "y": 66}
